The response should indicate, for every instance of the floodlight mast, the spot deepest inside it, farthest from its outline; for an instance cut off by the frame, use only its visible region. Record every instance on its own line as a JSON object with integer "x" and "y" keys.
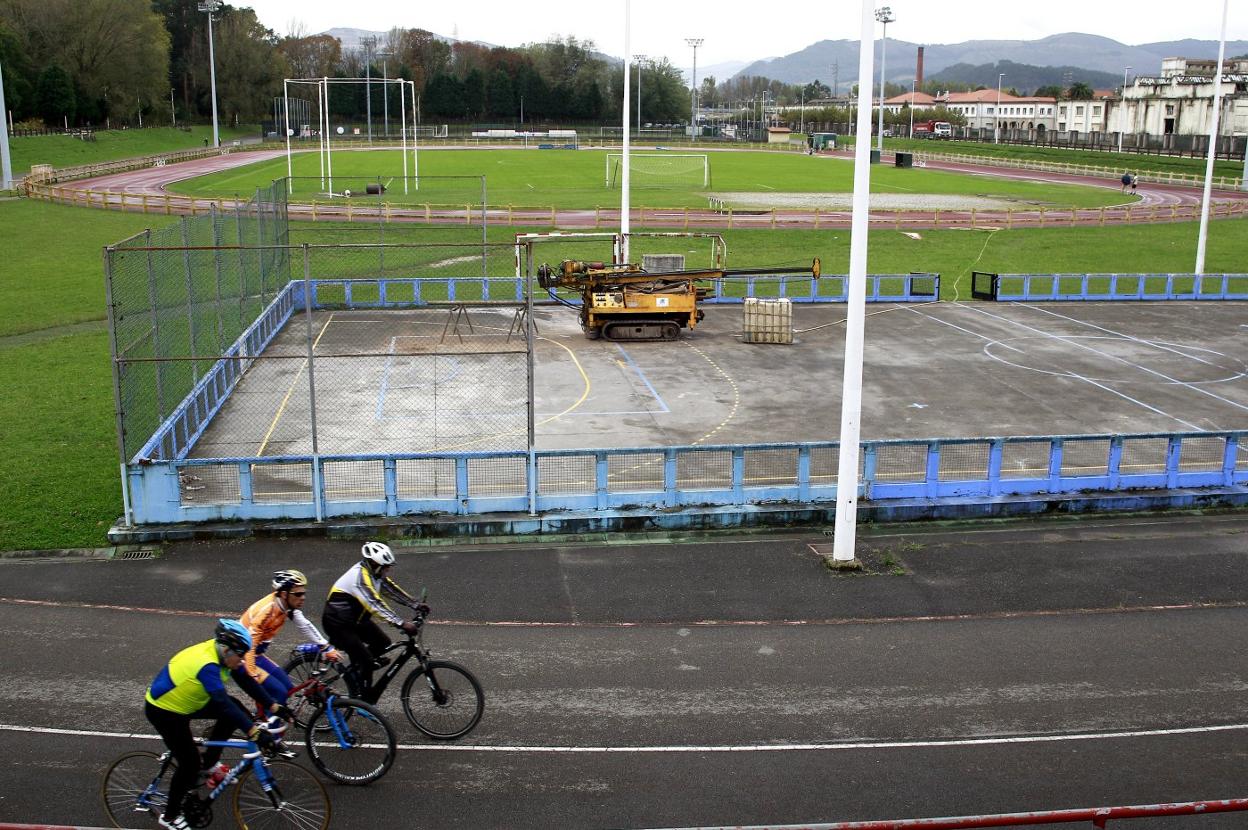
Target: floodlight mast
{"x": 885, "y": 16}
{"x": 211, "y": 6}
{"x": 695, "y": 42}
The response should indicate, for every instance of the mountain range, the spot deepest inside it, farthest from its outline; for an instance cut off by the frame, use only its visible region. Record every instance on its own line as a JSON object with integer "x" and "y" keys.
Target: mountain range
{"x": 1097, "y": 61}
{"x": 827, "y": 59}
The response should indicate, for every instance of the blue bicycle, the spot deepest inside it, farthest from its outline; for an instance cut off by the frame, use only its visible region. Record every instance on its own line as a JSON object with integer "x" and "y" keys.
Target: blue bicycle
{"x": 264, "y": 792}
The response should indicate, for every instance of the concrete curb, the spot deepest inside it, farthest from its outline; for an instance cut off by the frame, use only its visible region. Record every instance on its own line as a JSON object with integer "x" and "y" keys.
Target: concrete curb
{"x": 575, "y": 526}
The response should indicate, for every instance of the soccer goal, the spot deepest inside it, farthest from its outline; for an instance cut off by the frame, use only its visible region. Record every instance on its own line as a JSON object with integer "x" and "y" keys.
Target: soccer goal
{"x": 660, "y": 170}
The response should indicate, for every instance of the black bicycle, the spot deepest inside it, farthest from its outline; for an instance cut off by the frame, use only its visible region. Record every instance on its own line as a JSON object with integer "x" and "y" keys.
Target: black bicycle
{"x": 441, "y": 698}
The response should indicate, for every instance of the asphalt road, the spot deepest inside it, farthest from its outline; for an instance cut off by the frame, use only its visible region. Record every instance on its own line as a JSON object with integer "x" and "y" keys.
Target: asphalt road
{"x": 719, "y": 680}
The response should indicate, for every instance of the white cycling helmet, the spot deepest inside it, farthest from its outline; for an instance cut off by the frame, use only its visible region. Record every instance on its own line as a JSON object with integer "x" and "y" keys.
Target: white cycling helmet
{"x": 378, "y": 553}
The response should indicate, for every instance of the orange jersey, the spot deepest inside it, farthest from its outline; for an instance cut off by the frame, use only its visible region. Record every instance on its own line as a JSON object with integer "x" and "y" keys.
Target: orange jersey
{"x": 264, "y": 619}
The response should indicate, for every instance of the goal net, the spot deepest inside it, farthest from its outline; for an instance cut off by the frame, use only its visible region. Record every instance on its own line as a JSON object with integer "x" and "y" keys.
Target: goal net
{"x": 660, "y": 170}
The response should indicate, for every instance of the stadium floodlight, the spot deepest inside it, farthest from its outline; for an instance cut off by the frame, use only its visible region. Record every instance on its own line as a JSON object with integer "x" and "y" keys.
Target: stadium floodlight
{"x": 211, "y": 7}
{"x": 884, "y": 14}
{"x": 695, "y": 42}
{"x": 6, "y": 164}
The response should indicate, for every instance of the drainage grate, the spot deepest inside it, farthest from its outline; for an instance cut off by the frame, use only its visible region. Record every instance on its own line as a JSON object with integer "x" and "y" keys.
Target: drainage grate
{"x": 136, "y": 553}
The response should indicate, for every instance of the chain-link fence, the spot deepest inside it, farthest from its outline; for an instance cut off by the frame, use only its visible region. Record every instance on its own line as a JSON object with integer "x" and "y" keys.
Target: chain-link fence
{"x": 264, "y": 350}
{"x": 185, "y": 292}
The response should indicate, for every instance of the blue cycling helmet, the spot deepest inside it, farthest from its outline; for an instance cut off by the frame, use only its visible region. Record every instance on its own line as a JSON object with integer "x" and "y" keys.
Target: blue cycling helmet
{"x": 234, "y": 636}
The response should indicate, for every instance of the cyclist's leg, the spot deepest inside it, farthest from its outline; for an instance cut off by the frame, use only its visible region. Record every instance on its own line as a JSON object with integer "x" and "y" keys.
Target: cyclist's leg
{"x": 372, "y": 634}
{"x": 222, "y": 729}
{"x": 345, "y": 637}
{"x": 276, "y": 682}
{"x": 175, "y": 729}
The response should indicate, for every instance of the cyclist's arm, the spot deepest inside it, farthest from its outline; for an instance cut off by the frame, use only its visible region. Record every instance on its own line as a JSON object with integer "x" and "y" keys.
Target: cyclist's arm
{"x": 395, "y": 592}
{"x": 308, "y": 629}
{"x": 210, "y": 677}
{"x": 368, "y": 592}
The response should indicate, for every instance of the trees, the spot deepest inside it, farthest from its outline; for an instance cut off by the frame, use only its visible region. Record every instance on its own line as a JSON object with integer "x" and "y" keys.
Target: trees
{"x": 312, "y": 56}
{"x": 115, "y": 52}
{"x": 1079, "y": 91}
{"x": 249, "y": 67}
{"x": 54, "y": 97}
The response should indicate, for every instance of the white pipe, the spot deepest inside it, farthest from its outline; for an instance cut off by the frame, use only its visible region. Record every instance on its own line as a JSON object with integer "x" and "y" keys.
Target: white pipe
{"x": 6, "y": 163}
{"x": 320, "y": 129}
{"x": 415, "y": 138}
{"x": 843, "y": 543}
{"x": 403, "y": 131}
{"x": 1213, "y": 145}
{"x": 624, "y": 173}
{"x": 329, "y": 152}
{"x": 286, "y": 127}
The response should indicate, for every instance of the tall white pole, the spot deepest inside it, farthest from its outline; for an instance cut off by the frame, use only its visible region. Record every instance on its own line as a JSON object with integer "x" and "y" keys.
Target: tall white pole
{"x": 403, "y": 129}
{"x": 6, "y": 163}
{"x": 320, "y": 131}
{"x": 624, "y": 177}
{"x": 173, "y": 113}
{"x": 415, "y": 137}
{"x": 211, "y": 6}
{"x": 879, "y": 141}
{"x": 912, "y": 105}
{"x": 844, "y": 540}
{"x": 1213, "y": 146}
{"x": 695, "y": 42}
{"x": 329, "y": 152}
{"x": 996, "y": 113}
{"x": 1122, "y": 107}
{"x": 286, "y": 128}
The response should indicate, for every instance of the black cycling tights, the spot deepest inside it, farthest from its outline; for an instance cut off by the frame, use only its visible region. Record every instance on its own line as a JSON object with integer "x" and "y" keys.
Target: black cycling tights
{"x": 176, "y": 731}
{"x": 363, "y": 642}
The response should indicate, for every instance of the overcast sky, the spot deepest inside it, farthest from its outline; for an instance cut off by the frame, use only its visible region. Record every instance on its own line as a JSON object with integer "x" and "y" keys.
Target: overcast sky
{"x": 739, "y": 31}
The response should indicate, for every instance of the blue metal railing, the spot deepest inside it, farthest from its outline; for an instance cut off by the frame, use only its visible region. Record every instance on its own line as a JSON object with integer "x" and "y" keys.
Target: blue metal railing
{"x": 606, "y": 480}
{"x": 1037, "y": 287}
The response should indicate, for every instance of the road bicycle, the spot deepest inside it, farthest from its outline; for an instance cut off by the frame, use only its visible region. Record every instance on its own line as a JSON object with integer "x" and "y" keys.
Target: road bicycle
{"x": 264, "y": 792}
{"x": 441, "y": 698}
{"x": 347, "y": 739}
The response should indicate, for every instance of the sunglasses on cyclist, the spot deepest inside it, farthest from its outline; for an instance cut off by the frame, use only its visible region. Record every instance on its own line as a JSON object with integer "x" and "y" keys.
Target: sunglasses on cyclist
{"x": 298, "y": 593}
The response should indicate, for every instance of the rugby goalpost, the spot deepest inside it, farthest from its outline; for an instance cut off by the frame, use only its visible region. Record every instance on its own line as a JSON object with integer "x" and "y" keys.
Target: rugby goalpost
{"x": 323, "y": 128}
{"x": 660, "y": 169}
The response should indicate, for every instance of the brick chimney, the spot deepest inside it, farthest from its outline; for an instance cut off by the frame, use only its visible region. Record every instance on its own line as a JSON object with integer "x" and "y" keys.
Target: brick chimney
{"x": 918, "y": 70}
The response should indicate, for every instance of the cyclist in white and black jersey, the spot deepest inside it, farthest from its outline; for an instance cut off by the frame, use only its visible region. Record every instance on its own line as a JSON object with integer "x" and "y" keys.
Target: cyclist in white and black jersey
{"x": 355, "y": 599}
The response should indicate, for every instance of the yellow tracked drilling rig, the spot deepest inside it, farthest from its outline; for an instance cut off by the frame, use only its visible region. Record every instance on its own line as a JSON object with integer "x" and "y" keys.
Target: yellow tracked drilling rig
{"x": 625, "y": 302}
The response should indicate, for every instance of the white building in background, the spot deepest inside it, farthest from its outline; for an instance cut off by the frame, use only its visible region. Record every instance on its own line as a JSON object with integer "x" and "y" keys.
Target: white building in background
{"x": 984, "y": 110}
{"x": 1090, "y": 116}
{"x": 1179, "y": 101}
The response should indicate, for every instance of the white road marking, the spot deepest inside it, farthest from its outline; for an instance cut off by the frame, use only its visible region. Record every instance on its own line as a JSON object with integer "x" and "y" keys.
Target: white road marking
{"x": 847, "y": 746}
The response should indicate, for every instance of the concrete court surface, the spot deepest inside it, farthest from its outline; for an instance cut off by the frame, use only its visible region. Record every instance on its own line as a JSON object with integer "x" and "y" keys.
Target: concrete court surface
{"x": 932, "y": 370}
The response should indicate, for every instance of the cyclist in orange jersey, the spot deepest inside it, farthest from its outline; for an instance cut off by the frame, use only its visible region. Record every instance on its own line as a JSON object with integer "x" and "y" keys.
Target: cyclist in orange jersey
{"x": 265, "y": 618}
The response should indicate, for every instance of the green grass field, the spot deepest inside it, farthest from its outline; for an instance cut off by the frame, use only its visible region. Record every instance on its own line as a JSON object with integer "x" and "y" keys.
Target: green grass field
{"x": 575, "y": 179}
{"x": 57, "y": 440}
{"x": 110, "y": 145}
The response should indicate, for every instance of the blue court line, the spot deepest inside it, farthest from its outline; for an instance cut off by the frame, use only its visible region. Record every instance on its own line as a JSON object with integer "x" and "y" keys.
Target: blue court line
{"x": 644, "y": 379}
{"x": 385, "y": 383}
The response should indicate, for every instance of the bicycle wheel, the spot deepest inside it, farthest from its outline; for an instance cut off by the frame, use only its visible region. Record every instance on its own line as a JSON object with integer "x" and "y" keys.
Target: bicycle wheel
{"x": 297, "y": 800}
{"x": 448, "y": 705}
{"x": 359, "y": 749}
{"x": 124, "y": 789}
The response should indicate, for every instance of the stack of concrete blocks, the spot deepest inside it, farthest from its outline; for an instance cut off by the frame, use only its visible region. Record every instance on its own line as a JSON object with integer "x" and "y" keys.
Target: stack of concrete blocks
{"x": 768, "y": 321}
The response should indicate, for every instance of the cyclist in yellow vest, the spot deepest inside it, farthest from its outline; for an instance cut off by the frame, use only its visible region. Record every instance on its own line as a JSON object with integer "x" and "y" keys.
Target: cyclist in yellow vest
{"x": 192, "y": 687}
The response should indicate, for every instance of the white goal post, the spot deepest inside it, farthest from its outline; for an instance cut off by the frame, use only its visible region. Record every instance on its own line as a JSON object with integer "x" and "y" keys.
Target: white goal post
{"x": 660, "y": 169}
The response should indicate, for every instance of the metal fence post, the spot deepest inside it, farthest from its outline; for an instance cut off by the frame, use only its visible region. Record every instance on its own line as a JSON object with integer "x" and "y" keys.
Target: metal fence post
{"x": 151, "y": 295}
{"x": 112, "y": 349}
{"x": 317, "y": 478}
{"x": 242, "y": 266}
{"x": 530, "y": 415}
{"x": 216, "y": 257}
{"x": 190, "y": 297}
{"x": 485, "y": 255}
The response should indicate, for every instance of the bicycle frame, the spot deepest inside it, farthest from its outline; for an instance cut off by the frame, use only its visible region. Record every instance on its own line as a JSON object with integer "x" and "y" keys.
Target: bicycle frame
{"x": 252, "y": 757}
{"x": 341, "y": 729}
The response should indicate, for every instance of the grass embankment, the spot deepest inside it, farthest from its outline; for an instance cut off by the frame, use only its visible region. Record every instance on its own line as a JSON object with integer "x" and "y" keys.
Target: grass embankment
{"x": 575, "y": 179}
{"x": 1137, "y": 162}
{"x": 58, "y": 446}
{"x": 110, "y": 145}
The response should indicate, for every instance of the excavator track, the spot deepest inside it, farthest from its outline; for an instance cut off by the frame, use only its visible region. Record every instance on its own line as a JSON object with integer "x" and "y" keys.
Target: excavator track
{"x": 641, "y": 330}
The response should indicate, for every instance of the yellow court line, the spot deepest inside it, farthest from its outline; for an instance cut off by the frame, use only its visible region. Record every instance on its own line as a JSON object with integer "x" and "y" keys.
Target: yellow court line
{"x": 581, "y": 400}
{"x": 282, "y": 408}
